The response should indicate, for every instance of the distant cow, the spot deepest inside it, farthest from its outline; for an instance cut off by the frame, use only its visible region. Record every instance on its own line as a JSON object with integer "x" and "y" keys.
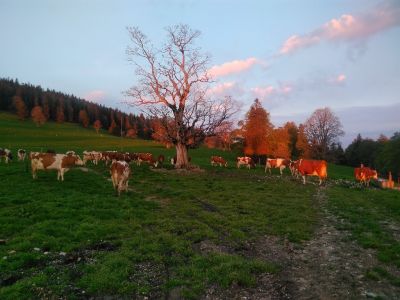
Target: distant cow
{"x": 92, "y": 156}
{"x": 147, "y": 158}
{"x": 308, "y": 167}
{"x": 218, "y": 160}
{"x": 49, "y": 161}
{"x": 278, "y": 163}
{"x": 120, "y": 173}
{"x": 245, "y": 160}
{"x": 21, "y": 154}
{"x": 365, "y": 174}
{"x": 6, "y": 153}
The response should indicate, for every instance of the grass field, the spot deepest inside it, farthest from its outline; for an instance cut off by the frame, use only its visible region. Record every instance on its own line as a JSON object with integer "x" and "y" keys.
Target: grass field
{"x": 171, "y": 233}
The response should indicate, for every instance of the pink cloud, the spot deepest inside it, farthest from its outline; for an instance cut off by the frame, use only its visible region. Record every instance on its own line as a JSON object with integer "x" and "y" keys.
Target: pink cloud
{"x": 338, "y": 80}
{"x": 232, "y": 67}
{"x": 226, "y": 89}
{"x": 267, "y": 92}
{"x": 347, "y": 28}
{"x": 95, "y": 96}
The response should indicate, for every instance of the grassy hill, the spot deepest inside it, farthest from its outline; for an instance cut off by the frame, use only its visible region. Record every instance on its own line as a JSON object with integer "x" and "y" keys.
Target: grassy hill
{"x": 173, "y": 234}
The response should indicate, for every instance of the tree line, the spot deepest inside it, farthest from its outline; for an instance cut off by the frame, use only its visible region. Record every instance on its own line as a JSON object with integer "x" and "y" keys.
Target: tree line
{"x": 27, "y": 100}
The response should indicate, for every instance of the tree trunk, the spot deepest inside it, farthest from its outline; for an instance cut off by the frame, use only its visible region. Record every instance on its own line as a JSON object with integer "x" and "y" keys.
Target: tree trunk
{"x": 181, "y": 156}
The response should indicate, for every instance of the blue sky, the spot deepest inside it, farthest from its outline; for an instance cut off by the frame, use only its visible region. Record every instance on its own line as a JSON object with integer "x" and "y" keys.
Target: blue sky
{"x": 296, "y": 56}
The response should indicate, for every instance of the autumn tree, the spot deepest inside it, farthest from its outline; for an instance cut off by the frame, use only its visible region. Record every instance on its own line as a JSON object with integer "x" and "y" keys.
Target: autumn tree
{"x": 172, "y": 87}
{"x": 279, "y": 143}
{"x": 20, "y": 107}
{"x": 97, "y": 125}
{"x": 37, "y": 115}
{"x": 83, "y": 118}
{"x": 60, "y": 112}
{"x": 322, "y": 129}
{"x": 256, "y": 129}
{"x": 302, "y": 145}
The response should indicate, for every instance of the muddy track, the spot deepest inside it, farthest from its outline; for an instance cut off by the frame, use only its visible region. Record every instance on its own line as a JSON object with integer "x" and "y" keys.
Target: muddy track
{"x": 330, "y": 266}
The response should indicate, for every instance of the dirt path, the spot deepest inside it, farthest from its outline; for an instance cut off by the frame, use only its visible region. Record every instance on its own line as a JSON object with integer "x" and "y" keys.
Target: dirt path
{"x": 330, "y": 266}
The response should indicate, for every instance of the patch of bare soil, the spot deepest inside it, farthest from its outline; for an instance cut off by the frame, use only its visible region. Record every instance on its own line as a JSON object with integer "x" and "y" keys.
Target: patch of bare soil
{"x": 330, "y": 266}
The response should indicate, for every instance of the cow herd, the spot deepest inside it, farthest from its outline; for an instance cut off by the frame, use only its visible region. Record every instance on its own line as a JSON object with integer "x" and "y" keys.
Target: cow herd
{"x": 120, "y": 169}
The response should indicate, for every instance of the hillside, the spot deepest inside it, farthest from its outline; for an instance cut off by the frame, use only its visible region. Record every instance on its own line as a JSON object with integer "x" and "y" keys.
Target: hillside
{"x": 219, "y": 233}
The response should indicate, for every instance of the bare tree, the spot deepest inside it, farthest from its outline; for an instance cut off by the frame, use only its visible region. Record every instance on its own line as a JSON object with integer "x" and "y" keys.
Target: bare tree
{"x": 172, "y": 84}
{"x": 322, "y": 129}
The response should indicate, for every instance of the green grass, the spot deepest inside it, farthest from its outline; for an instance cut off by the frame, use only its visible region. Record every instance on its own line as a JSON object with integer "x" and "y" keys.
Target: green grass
{"x": 148, "y": 241}
{"x": 373, "y": 218}
{"x": 154, "y": 231}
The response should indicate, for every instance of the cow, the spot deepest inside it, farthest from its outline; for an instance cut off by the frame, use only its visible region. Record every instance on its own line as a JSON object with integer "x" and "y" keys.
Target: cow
{"x": 245, "y": 160}
{"x": 147, "y": 158}
{"x": 49, "y": 161}
{"x": 294, "y": 167}
{"x": 120, "y": 172}
{"x": 21, "y": 154}
{"x": 6, "y": 153}
{"x": 218, "y": 160}
{"x": 161, "y": 159}
{"x": 92, "y": 156}
{"x": 308, "y": 167}
{"x": 365, "y": 174}
{"x": 279, "y": 163}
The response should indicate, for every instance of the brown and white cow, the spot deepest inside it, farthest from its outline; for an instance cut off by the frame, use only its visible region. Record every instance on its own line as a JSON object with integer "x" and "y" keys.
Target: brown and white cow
{"x": 92, "y": 156}
{"x": 278, "y": 163}
{"x": 308, "y": 167}
{"x": 6, "y": 153}
{"x": 147, "y": 158}
{"x": 120, "y": 172}
{"x": 244, "y": 160}
{"x": 218, "y": 160}
{"x": 49, "y": 161}
{"x": 21, "y": 154}
{"x": 365, "y": 174}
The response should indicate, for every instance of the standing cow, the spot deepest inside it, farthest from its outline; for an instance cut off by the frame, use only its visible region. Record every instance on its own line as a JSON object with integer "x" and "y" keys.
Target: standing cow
{"x": 21, "y": 154}
{"x": 308, "y": 167}
{"x": 49, "y": 161}
{"x": 278, "y": 163}
{"x": 365, "y": 174}
{"x": 218, "y": 160}
{"x": 120, "y": 172}
{"x": 246, "y": 161}
{"x": 6, "y": 153}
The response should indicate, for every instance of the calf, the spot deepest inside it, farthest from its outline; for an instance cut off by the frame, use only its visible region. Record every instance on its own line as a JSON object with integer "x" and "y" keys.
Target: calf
{"x": 21, "y": 154}
{"x": 6, "y": 153}
{"x": 308, "y": 167}
{"x": 218, "y": 160}
{"x": 120, "y": 173}
{"x": 49, "y": 161}
{"x": 147, "y": 158}
{"x": 245, "y": 160}
{"x": 278, "y": 163}
{"x": 92, "y": 156}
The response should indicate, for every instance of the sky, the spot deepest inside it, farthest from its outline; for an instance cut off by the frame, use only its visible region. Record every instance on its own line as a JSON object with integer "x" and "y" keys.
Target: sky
{"x": 295, "y": 56}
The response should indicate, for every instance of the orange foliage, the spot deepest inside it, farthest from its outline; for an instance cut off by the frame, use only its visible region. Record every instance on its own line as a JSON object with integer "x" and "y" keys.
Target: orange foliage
{"x": 302, "y": 143}
{"x": 37, "y": 115}
{"x": 97, "y": 125}
{"x": 83, "y": 118}
{"x": 20, "y": 107}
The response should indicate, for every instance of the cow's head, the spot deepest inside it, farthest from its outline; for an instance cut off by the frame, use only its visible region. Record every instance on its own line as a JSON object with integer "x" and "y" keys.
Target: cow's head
{"x": 78, "y": 161}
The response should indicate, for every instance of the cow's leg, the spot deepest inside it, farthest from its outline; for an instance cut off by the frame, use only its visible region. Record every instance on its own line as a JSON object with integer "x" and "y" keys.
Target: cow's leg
{"x": 58, "y": 174}
{"x": 320, "y": 181}
{"x": 304, "y": 179}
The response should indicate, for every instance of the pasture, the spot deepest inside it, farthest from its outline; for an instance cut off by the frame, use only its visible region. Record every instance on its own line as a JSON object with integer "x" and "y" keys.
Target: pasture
{"x": 217, "y": 232}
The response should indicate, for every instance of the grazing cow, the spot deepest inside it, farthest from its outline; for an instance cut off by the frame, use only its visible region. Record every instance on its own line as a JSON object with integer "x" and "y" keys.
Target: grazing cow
{"x": 308, "y": 167}
{"x": 147, "y": 158}
{"x": 218, "y": 160}
{"x": 120, "y": 173}
{"x": 49, "y": 161}
{"x": 93, "y": 156}
{"x": 278, "y": 163}
{"x": 21, "y": 154}
{"x": 245, "y": 160}
{"x": 6, "y": 153}
{"x": 365, "y": 174}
